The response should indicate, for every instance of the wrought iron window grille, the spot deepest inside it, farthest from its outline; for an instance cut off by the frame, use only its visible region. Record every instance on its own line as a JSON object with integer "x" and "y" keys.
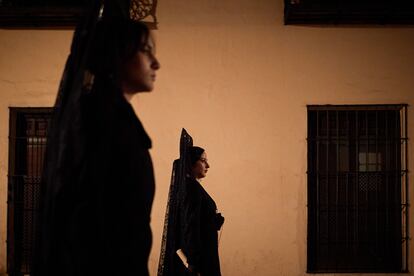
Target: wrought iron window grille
{"x": 357, "y": 188}
{"x": 27, "y": 145}
{"x": 377, "y": 12}
{"x": 63, "y": 13}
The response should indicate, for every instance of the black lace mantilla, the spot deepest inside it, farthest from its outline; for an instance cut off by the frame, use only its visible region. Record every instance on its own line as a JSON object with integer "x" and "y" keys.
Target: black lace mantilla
{"x": 169, "y": 236}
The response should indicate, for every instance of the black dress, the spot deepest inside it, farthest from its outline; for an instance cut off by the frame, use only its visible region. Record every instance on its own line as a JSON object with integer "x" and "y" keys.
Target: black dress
{"x": 99, "y": 223}
{"x": 199, "y": 224}
{"x": 121, "y": 186}
{"x": 97, "y": 185}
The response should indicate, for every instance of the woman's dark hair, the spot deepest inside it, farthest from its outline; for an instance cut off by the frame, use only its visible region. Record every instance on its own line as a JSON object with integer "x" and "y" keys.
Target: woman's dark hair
{"x": 116, "y": 41}
{"x": 194, "y": 154}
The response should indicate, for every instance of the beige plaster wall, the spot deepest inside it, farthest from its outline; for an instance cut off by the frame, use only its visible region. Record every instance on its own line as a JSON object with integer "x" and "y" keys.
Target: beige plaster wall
{"x": 239, "y": 81}
{"x": 31, "y": 63}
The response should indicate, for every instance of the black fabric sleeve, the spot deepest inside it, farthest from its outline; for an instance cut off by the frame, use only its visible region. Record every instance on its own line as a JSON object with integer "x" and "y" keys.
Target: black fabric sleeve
{"x": 190, "y": 219}
{"x": 219, "y": 220}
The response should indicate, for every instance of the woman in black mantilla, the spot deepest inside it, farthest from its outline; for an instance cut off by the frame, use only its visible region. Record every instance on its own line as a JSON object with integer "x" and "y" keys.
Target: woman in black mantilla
{"x": 120, "y": 171}
{"x": 99, "y": 183}
{"x": 199, "y": 220}
{"x": 190, "y": 240}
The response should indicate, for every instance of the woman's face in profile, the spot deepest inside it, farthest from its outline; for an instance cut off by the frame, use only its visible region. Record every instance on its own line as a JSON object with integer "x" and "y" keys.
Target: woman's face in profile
{"x": 200, "y": 168}
{"x": 140, "y": 72}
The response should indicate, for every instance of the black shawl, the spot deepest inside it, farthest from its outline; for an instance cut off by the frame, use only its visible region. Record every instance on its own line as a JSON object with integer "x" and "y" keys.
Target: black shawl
{"x": 170, "y": 234}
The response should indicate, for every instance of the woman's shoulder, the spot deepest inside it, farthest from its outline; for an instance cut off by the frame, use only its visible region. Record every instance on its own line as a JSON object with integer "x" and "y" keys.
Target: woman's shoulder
{"x": 193, "y": 187}
{"x": 191, "y": 183}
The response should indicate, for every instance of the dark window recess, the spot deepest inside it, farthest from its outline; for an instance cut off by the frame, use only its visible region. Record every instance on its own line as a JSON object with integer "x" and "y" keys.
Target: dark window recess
{"x": 349, "y": 12}
{"x": 64, "y": 13}
{"x": 357, "y": 189}
{"x": 40, "y": 13}
{"x": 27, "y": 144}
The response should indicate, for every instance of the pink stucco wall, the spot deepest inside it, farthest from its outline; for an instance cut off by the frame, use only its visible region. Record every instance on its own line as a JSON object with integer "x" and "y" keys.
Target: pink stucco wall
{"x": 239, "y": 81}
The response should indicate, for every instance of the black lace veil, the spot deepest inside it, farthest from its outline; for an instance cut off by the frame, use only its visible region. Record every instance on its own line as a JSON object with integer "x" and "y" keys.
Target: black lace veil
{"x": 64, "y": 166}
{"x": 170, "y": 233}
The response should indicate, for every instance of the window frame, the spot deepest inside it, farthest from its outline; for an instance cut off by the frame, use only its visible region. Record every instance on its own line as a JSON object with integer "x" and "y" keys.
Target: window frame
{"x": 17, "y": 14}
{"x": 22, "y": 202}
{"x": 40, "y": 16}
{"x": 349, "y": 12}
{"x": 313, "y": 211}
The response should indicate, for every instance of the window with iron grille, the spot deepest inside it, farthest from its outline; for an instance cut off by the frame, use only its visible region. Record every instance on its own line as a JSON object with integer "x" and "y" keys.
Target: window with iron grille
{"x": 357, "y": 188}
{"x": 40, "y": 13}
{"x": 349, "y": 12}
{"x": 27, "y": 144}
{"x": 65, "y": 13}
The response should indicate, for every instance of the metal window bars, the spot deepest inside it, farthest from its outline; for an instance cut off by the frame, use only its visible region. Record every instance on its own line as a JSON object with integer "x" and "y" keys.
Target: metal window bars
{"x": 357, "y": 188}
{"x": 27, "y": 144}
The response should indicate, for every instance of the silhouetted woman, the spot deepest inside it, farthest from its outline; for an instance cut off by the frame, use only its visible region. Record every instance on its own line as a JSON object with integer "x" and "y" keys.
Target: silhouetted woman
{"x": 199, "y": 221}
{"x": 99, "y": 183}
{"x": 190, "y": 242}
